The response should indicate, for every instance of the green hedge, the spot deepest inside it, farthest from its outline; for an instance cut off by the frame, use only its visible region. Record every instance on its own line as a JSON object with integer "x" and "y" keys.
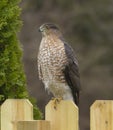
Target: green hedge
{"x": 12, "y": 77}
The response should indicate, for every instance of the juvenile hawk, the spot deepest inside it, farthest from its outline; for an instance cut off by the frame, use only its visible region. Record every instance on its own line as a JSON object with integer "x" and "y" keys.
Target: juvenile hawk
{"x": 57, "y": 64}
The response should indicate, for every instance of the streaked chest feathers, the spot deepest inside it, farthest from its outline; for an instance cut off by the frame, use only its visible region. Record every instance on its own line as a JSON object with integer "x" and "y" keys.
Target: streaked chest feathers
{"x": 52, "y": 60}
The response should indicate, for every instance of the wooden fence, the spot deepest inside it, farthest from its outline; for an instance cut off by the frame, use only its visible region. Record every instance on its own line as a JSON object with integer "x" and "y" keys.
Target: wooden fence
{"x": 17, "y": 114}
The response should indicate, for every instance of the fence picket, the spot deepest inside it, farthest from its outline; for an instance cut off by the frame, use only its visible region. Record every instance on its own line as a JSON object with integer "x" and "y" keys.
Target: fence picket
{"x": 64, "y": 116}
{"x": 13, "y": 110}
{"x": 101, "y": 115}
{"x": 17, "y": 114}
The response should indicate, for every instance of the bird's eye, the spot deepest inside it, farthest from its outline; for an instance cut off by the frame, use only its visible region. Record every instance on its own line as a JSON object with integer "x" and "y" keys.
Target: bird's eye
{"x": 47, "y": 27}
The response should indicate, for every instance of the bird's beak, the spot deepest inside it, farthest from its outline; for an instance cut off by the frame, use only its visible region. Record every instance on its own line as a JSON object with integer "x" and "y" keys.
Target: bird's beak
{"x": 39, "y": 30}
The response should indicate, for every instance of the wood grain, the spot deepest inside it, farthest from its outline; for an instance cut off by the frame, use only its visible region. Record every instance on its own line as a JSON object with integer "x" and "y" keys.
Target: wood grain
{"x": 13, "y": 110}
{"x": 33, "y": 125}
{"x": 101, "y": 115}
{"x": 64, "y": 116}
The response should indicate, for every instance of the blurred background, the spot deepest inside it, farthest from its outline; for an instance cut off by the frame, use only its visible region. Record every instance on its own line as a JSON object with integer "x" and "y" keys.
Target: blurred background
{"x": 88, "y": 27}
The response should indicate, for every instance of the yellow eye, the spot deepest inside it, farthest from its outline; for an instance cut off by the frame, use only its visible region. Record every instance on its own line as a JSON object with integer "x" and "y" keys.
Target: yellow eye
{"x": 47, "y": 27}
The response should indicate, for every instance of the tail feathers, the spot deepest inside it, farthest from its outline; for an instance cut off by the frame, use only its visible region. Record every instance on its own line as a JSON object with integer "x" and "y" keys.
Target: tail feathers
{"x": 76, "y": 98}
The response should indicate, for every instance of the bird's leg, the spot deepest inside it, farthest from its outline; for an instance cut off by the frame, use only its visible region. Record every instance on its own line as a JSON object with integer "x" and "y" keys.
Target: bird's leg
{"x": 56, "y": 101}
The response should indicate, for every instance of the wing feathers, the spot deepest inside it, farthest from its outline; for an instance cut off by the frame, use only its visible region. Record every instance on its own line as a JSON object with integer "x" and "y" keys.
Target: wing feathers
{"x": 71, "y": 73}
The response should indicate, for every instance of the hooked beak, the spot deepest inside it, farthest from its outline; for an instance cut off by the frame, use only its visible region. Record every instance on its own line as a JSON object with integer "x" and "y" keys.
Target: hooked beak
{"x": 39, "y": 30}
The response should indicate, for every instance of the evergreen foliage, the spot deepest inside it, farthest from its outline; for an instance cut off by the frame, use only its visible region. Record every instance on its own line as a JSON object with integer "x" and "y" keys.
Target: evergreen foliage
{"x": 12, "y": 77}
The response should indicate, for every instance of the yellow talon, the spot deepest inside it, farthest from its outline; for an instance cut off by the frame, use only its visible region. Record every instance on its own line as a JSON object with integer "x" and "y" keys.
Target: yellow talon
{"x": 56, "y": 101}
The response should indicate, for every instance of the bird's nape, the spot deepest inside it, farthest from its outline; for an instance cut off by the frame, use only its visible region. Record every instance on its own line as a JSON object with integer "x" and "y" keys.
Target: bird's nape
{"x": 48, "y": 26}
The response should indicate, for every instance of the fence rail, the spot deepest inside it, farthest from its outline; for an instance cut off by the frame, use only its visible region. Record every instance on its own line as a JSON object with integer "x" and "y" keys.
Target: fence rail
{"x": 17, "y": 114}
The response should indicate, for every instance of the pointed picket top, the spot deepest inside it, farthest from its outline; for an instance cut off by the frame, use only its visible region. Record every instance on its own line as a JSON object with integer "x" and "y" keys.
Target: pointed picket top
{"x": 101, "y": 115}
{"x": 13, "y": 110}
{"x": 62, "y": 115}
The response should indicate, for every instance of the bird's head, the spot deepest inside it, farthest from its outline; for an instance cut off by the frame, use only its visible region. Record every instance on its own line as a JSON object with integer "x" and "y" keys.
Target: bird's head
{"x": 49, "y": 28}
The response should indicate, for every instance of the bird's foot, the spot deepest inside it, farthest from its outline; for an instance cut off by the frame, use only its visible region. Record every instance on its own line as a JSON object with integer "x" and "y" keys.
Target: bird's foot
{"x": 56, "y": 101}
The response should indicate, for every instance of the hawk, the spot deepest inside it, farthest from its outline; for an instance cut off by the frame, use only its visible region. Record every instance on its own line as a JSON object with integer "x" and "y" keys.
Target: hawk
{"x": 58, "y": 65}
